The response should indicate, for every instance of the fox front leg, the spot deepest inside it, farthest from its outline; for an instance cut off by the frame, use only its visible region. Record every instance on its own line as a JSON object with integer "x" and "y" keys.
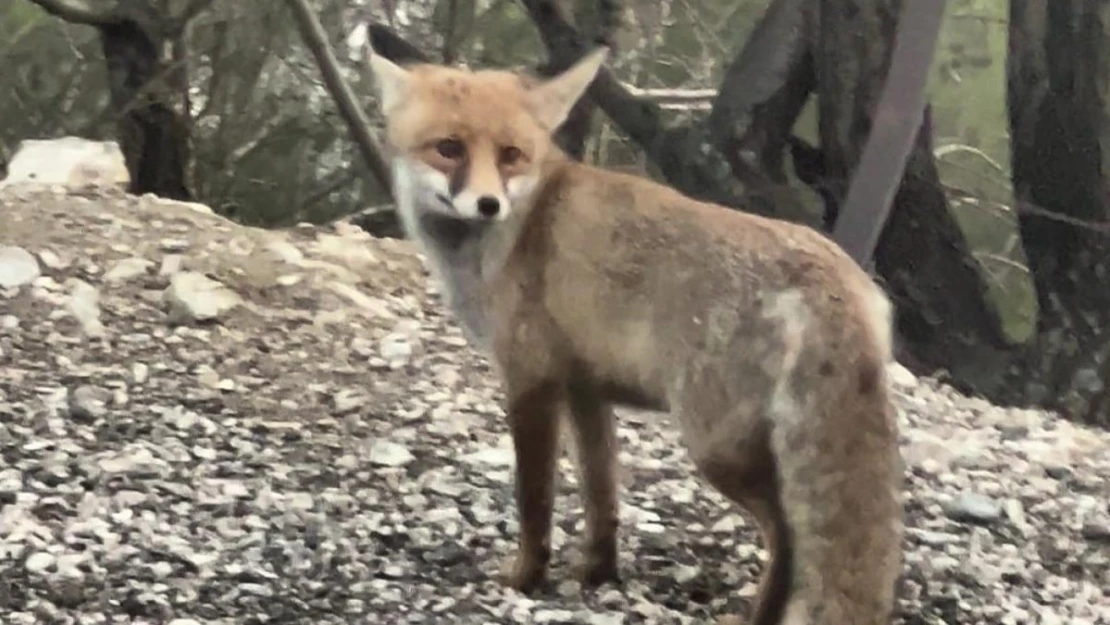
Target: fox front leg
{"x": 596, "y": 437}
{"x": 534, "y": 424}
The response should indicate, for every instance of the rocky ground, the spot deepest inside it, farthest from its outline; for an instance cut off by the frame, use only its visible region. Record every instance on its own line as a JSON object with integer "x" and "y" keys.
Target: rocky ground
{"x": 204, "y": 423}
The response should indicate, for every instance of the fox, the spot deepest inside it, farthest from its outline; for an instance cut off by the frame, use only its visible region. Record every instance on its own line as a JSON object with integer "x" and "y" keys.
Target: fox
{"x": 593, "y": 290}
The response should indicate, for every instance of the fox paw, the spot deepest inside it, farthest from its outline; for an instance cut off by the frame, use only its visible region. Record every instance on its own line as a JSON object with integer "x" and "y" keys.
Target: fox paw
{"x": 595, "y": 571}
{"x": 522, "y": 574}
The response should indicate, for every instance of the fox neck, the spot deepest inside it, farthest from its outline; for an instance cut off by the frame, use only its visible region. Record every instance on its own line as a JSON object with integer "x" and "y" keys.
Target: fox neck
{"x": 464, "y": 256}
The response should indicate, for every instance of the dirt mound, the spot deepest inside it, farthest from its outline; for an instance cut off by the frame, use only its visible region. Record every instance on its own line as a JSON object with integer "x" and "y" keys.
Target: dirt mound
{"x": 202, "y": 422}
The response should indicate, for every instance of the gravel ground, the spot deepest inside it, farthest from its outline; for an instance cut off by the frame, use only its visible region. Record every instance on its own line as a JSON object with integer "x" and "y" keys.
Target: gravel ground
{"x": 205, "y": 423}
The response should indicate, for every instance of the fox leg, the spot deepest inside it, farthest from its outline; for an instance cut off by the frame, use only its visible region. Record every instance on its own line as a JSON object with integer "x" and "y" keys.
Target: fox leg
{"x": 595, "y": 433}
{"x": 534, "y": 424}
{"x": 752, "y": 482}
{"x": 775, "y": 583}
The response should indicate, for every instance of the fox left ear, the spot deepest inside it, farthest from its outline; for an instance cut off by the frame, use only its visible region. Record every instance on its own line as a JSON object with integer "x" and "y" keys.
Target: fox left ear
{"x": 390, "y": 79}
{"x": 552, "y": 100}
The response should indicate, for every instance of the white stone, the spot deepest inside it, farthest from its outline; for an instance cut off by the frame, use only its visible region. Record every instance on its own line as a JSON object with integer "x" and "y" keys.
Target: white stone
{"x": 193, "y": 296}
{"x": 73, "y": 162}
{"x": 17, "y": 267}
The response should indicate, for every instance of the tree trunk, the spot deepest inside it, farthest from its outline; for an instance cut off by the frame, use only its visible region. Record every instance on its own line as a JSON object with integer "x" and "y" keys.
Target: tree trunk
{"x": 154, "y": 137}
{"x": 943, "y": 319}
{"x": 1058, "y": 72}
{"x": 761, "y": 95}
{"x": 154, "y": 134}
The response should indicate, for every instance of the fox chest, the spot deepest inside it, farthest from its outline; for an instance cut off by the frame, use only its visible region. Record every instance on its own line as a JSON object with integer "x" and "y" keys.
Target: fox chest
{"x": 456, "y": 262}
{"x": 465, "y": 294}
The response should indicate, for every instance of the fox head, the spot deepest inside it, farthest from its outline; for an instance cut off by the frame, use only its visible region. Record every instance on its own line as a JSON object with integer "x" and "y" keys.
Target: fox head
{"x": 471, "y": 144}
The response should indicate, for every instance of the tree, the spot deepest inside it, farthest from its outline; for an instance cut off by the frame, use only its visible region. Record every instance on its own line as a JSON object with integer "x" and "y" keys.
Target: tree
{"x": 148, "y": 89}
{"x": 943, "y": 315}
{"x": 1058, "y": 71}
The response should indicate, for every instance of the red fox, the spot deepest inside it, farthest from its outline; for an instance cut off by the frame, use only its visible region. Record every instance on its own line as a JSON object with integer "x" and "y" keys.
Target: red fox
{"x": 592, "y": 289}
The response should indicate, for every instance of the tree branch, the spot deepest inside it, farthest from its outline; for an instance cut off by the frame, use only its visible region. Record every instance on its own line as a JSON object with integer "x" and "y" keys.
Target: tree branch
{"x": 637, "y": 117}
{"x": 180, "y": 21}
{"x": 699, "y": 160}
{"x": 357, "y": 121}
{"x": 78, "y": 12}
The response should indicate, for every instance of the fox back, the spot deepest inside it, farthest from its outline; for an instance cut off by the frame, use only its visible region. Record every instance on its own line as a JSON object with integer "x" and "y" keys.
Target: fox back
{"x": 592, "y": 288}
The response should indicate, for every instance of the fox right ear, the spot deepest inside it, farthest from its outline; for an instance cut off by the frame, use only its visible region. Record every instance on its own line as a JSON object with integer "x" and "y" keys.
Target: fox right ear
{"x": 552, "y": 100}
{"x": 390, "y": 79}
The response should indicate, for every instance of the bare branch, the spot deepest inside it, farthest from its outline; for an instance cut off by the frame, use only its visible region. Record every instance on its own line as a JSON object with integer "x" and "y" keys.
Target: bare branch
{"x": 357, "y": 121}
{"x": 678, "y": 95}
{"x": 78, "y": 12}
{"x": 676, "y": 99}
{"x": 637, "y": 117}
{"x": 261, "y": 134}
{"x": 698, "y": 159}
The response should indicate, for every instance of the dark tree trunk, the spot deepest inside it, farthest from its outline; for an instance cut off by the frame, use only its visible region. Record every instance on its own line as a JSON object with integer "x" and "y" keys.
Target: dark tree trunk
{"x": 153, "y": 136}
{"x": 944, "y": 319}
{"x": 1058, "y": 73}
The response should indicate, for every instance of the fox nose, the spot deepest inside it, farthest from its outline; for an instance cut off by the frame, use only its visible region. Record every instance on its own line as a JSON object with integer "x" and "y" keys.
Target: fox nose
{"x": 489, "y": 206}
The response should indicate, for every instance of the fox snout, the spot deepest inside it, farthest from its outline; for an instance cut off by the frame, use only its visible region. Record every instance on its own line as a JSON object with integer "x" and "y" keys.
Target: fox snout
{"x": 475, "y": 204}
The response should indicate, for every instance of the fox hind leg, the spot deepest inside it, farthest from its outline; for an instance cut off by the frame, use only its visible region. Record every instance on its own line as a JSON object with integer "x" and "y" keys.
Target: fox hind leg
{"x": 754, "y": 485}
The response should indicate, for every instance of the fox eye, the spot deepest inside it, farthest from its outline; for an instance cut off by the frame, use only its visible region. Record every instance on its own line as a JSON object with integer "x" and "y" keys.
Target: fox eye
{"x": 510, "y": 154}
{"x": 450, "y": 148}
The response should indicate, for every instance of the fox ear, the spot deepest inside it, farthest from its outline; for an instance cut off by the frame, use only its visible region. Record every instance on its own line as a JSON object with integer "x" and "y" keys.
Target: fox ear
{"x": 552, "y": 100}
{"x": 390, "y": 79}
